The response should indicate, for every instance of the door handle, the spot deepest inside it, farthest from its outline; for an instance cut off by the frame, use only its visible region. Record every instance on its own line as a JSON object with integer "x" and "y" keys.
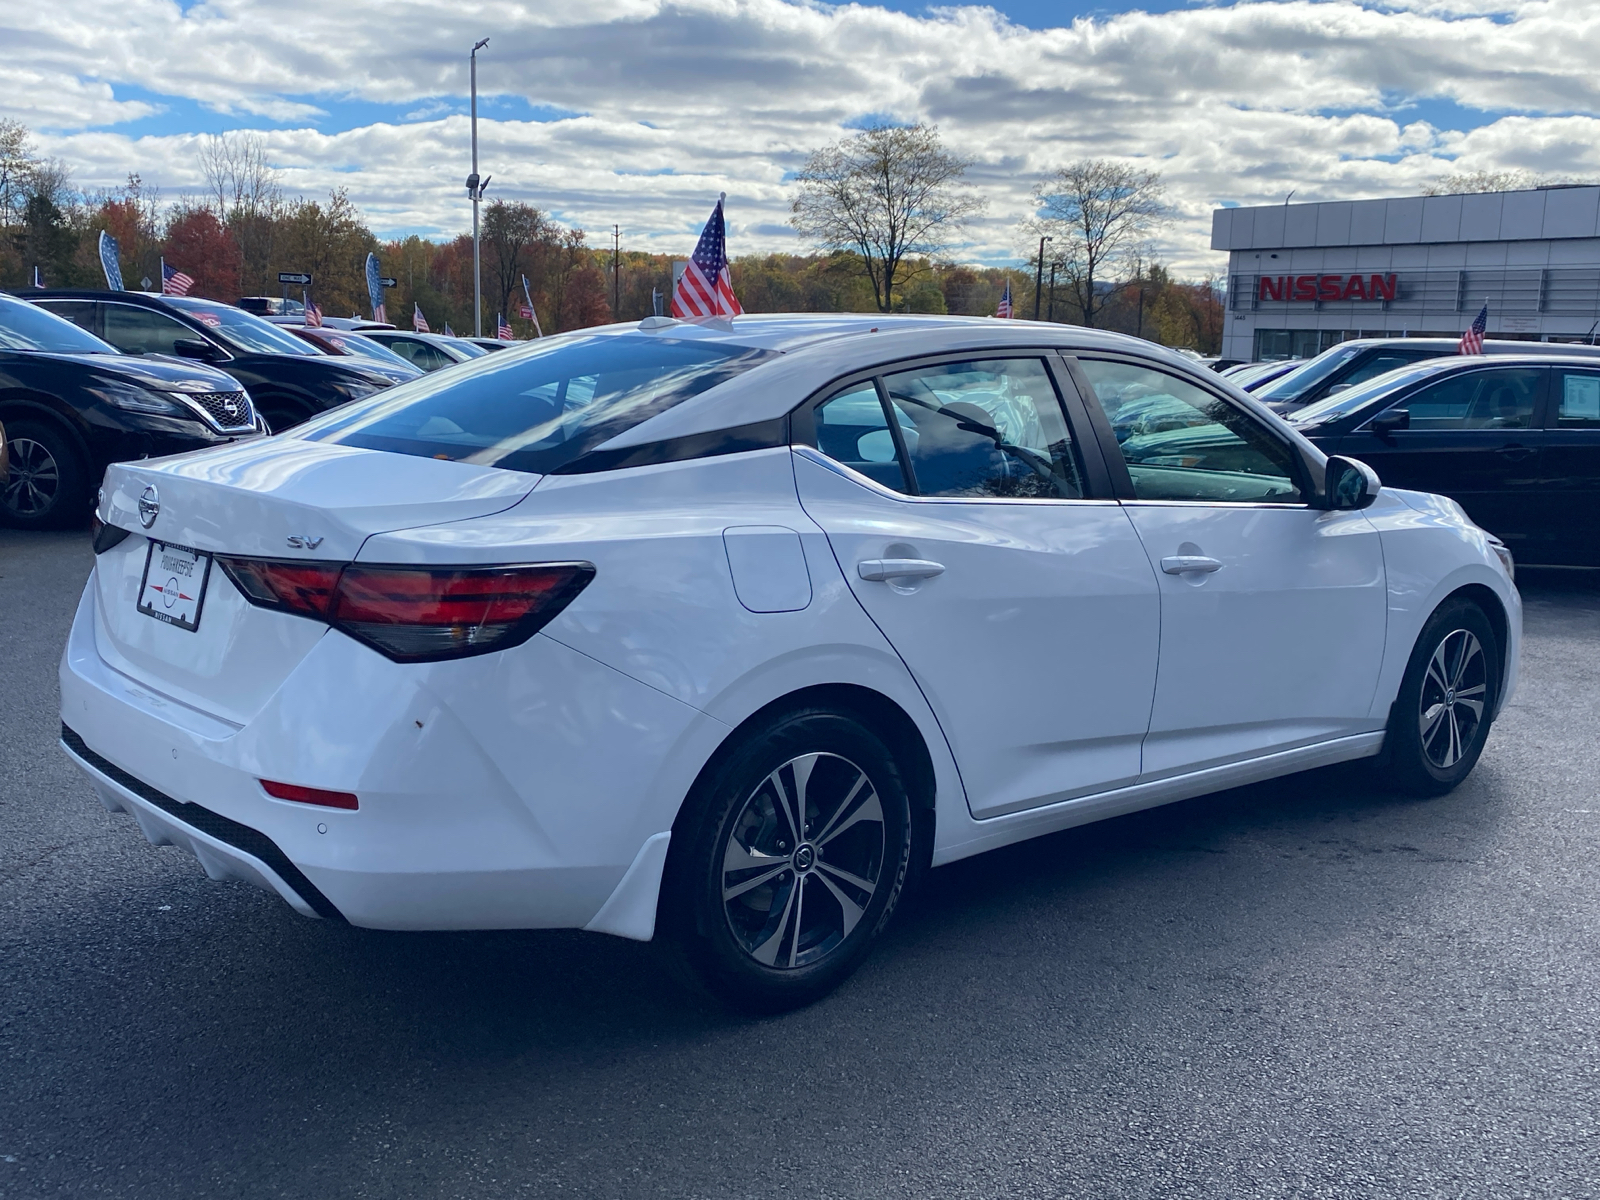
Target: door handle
{"x": 1179, "y": 564}
{"x": 1516, "y": 452}
{"x": 878, "y": 569}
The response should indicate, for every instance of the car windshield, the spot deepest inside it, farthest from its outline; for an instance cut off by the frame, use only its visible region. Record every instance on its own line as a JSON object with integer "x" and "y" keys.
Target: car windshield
{"x": 354, "y": 343}
{"x": 540, "y": 407}
{"x": 1303, "y": 379}
{"x": 470, "y": 349}
{"x": 1342, "y": 404}
{"x": 25, "y": 326}
{"x": 242, "y": 330}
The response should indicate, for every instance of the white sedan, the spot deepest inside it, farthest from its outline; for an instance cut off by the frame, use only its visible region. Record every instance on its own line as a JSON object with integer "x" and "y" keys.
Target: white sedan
{"x": 726, "y": 630}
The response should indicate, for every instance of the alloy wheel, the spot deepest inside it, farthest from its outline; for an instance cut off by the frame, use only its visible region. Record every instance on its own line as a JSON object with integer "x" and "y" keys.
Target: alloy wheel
{"x": 1451, "y": 705}
{"x": 33, "y": 483}
{"x": 803, "y": 860}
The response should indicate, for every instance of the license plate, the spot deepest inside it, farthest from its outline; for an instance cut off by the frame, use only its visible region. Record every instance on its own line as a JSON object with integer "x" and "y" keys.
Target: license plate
{"x": 174, "y": 584}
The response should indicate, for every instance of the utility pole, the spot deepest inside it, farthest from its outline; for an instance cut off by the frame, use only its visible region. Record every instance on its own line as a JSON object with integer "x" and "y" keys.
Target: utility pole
{"x": 1052, "y": 310}
{"x": 616, "y": 272}
{"x": 1038, "y": 276}
{"x": 475, "y": 190}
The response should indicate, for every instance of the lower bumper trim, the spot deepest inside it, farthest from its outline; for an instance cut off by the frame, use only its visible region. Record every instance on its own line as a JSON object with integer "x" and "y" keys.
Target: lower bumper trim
{"x": 224, "y": 829}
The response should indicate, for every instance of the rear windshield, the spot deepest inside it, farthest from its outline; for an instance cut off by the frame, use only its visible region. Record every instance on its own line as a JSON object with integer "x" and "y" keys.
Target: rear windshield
{"x": 1302, "y": 379}
{"x": 242, "y": 330}
{"x": 537, "y": 408}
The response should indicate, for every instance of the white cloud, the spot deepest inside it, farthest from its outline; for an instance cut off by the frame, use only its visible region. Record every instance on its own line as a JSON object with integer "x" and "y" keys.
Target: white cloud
{"x": 692, "y": 97}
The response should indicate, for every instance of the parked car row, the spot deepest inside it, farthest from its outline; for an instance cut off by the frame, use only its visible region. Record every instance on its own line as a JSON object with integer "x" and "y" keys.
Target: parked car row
{"x": 89, "y": 377}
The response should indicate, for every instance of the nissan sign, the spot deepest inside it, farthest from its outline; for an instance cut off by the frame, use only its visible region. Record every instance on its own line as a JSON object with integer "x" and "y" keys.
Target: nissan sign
{"x": 1325, "y": 288}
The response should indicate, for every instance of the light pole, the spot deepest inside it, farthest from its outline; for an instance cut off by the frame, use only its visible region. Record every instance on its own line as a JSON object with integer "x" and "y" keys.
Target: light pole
{"x": 475, "y": 190}
{"x": 1054, "y": 263}
{"x": 1038, "y": 276}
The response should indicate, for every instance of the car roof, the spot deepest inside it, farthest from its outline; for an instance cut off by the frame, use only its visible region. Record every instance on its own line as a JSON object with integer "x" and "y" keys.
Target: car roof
{"x": 1498, "y": 345}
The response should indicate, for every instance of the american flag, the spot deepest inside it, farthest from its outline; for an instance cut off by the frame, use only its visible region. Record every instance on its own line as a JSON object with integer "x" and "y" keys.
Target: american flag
{"x": 1004, "y": 309}
{"x": 174, "y": 282}
{"x": 1472, "y": 339}
{"x": 313, "y": 313}
{"x": 502, "y": 328}
{"x": 704, "y": 289}
{"x": 527, "y": 313}
{"x": 448, "y": 332}
{"x": 419, "y": 323}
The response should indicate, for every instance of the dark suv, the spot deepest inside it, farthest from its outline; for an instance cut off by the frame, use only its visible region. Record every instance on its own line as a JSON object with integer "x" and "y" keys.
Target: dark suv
{"x": 1350, "y": 364}
{"x": 70, "y": 404}
{"x": 288, "y": 379}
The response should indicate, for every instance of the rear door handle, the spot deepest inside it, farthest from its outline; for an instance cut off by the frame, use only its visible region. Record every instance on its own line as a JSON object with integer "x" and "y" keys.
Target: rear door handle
{"x": 1179, "y": 564}
{"x": 879, "y": 569}
{"x": 1515, "y": 452}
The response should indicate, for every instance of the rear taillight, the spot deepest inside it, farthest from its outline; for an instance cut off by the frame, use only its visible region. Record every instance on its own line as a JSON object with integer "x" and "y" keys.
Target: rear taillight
{"x": 416, "y": 614}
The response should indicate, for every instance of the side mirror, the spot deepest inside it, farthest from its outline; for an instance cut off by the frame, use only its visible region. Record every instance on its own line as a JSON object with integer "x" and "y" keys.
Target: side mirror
{"x": 1385, "y": 423}
{"x": 194, "y": 348}
{"x": 1350, "y": 484}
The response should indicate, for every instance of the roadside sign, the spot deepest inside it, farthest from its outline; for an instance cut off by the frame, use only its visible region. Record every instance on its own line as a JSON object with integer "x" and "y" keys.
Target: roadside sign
{"x": 387, "y": 282}
{"x": 294, "y": 277}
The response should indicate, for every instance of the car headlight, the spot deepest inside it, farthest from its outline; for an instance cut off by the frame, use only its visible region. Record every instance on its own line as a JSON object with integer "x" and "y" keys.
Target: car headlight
{"x": 134, "y": 398}
{"x": 1503, "y": 553}
{"x": 355, "y": 389}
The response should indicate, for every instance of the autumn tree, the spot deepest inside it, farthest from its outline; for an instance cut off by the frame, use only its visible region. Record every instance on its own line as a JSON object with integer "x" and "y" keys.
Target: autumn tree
{"x": 887, "y": 193}
{"x": 200, "y": 246}
{"x": 1099, "y": 215}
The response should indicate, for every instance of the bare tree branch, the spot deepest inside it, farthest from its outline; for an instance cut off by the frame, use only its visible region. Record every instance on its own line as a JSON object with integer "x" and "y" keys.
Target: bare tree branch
{"x": 886, "y": 193}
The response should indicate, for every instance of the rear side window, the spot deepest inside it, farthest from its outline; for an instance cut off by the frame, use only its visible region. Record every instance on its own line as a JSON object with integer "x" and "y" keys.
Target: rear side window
{"x": 986, "y": 429}
{"x": 1380, "y": 363}
{"x": 540, "y": 407}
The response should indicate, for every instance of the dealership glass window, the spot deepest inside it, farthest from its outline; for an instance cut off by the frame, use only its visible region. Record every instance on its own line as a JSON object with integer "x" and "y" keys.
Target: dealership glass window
{"x": 1182, "y": 443}
{"x": 141, "y": 331}
{"x": 1499, "y": 399}
{"x": 991, "y": 428}
{"x": 1579, "y": 400}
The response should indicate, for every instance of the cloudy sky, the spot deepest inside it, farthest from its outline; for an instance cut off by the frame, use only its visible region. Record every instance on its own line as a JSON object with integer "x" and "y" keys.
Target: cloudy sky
{"x": 638, "y": 112}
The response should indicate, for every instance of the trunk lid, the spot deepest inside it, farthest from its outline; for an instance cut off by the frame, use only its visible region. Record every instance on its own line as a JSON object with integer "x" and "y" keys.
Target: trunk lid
{"x": 250, "y": 499}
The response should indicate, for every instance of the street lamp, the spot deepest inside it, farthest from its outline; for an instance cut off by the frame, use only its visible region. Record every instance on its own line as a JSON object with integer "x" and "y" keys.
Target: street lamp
{"x": 1054, "y": 264}
{"x": 475, "y": 190}
{"x": 1038, "y": 276}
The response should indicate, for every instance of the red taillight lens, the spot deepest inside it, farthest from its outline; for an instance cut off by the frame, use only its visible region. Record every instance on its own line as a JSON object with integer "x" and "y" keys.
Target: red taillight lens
{"x": 310, "y": 795}
{"x": 416, "y": 614}
{"x": 304, "y": 588}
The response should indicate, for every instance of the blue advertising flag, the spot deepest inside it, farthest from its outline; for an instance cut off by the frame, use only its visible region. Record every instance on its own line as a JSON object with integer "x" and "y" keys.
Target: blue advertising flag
{"x": 375, "y": 288}
{"x": 108, "y": 261}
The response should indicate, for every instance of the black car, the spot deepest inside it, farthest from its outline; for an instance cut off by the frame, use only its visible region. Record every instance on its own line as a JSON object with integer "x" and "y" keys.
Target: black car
{"x": 70, "y": 404}
{"x": 1352, "y": 363}
{"x": 288, "y": 379}
{"x": 1514, "y": 439}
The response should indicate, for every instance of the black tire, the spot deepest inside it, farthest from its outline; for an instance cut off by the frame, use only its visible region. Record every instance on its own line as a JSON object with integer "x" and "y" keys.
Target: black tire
{"x": 47, "y": 482}
{"x": 1441, "y": 718}
{"x": 799, "y": 919}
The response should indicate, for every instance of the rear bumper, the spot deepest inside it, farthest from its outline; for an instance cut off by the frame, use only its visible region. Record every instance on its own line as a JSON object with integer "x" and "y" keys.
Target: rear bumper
{"x": 225, "y": 848}
{"x": 510, "y": 791}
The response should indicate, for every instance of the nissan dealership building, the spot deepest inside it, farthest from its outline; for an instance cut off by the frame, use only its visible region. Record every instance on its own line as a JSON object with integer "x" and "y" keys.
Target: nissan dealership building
{"x": 1302, "y": 277}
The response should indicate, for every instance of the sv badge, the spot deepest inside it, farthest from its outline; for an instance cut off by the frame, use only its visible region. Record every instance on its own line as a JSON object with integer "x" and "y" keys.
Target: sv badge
{"x": 304, "y": 543}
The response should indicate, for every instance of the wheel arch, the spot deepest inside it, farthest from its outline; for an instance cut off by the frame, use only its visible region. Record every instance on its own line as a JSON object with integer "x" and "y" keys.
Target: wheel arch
{"x": 1494, "y": 609}
{"x": 27, "y": 405}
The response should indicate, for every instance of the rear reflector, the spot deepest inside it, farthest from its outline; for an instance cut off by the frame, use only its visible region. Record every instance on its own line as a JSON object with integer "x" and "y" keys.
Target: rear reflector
{"x": 102, "y": 536}
{"x": 416, "y": 614}
{"x": 308, "y": 795}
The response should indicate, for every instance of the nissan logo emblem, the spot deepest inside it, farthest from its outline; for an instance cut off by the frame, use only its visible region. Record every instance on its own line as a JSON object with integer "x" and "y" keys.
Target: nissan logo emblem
{"x": 149, "y": 506}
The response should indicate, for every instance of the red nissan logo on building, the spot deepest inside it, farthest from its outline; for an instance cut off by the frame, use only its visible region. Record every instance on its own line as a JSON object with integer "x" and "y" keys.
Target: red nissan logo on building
{"x": 1326, "y": 287}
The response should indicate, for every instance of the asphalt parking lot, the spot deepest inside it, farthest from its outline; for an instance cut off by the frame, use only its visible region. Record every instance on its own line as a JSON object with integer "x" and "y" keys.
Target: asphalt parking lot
{"x": 1303, "y": 989}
